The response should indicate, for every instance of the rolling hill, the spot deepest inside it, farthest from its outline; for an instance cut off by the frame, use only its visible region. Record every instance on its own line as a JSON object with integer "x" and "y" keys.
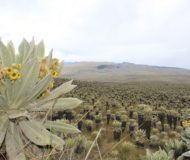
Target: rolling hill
{"x": 123, "y": 72}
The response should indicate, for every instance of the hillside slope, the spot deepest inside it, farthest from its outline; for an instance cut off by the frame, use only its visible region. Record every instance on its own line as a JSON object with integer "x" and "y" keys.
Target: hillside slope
{"x": 123, "y": 72}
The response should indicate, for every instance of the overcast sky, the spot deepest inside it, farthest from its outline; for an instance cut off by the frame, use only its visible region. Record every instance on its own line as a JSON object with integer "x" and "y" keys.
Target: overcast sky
{"x": 154, "y": 32}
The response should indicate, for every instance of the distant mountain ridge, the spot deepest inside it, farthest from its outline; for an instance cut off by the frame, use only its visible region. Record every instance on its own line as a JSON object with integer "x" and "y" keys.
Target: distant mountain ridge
{"x": 124, "y": 72}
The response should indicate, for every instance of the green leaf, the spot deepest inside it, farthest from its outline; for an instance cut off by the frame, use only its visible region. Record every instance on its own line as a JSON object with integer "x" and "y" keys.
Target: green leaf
{"x": 3, "y": 103}
{"x": 31, "y": 53}
{"x": 13, "y": 114}
{"x": 40, "y": 87}
{"x": 49, "y": 58}
{"x": 40, "y": 49}
{"x": 62, "y": 104}
{"x": 57, "y": 142}
{"x": 59, "y": 91}
{"x": 29, "y": 73}
{"x": 11, "y": 50}
{"x": 8, "y": 91}
{"x": 61, "y": 127}
{"x": 37, "y": 133}
{"x": 14, "y": 144}
{"x": 29, "y": 77}
{"x": 5, "y": 55}
{"x": 3, "y": 127}
{"x": 186, "y": 154}
{"x": 24, "y": 48}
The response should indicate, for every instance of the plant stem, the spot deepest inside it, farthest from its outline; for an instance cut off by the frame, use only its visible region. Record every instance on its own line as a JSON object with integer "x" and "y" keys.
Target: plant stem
{"x": 93, "y": 144}
{"x": 99, "y": 150}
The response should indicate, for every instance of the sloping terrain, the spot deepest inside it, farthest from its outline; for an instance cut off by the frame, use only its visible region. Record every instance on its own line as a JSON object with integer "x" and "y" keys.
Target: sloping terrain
{"x": 123, "y": 72}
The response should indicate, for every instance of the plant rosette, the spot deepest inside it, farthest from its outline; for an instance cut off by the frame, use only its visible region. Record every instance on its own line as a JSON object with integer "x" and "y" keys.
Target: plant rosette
{"x": 27, "y": 88}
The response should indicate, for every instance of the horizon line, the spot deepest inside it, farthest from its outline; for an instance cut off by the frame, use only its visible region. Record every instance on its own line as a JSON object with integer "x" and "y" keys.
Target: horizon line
{"x": 72, "y": 62}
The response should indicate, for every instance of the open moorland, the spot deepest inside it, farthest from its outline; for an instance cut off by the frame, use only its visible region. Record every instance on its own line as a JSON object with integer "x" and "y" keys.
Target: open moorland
{"x": 130, "y": 117}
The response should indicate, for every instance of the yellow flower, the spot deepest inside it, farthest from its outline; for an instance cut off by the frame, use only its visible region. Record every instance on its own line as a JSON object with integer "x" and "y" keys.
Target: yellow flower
{"x": 43, "y": 73}
{"x": 51, "y": 84}
{"x": 54, "y": 67}
{"x": 1, "y": 72}
{"x": 55, "y": 61}
{"x": 19, "y": 76}
{"x": 44, "y": 61}
{"x": 185, "y": 123}
{"x": 46, "y": 93}
{"x": 54, "y": 74}
{"x": 43, "y": 67}
{"x": 14, "y": 75}
{"x": 8, "y": 71}
{"x": 18, "y": 66}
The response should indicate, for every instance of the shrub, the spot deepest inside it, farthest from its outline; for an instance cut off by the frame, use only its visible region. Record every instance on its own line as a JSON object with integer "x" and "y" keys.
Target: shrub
{"x": 158, "y": 155}
{"x": 173, "y": 134}
{"x": 116, "y": 124}
{"x": 175, "y": 145}
{"x": 167, "y": 127}
{"x": 125, "y": 151}
{"x": 159, "y": 125}
{"x": 89, "y": 125}
{"x": 155, "y": 131}
{"x": 140, "y": 137}
{"x": 154, "y": 141}
{"x": 179, "y": 129}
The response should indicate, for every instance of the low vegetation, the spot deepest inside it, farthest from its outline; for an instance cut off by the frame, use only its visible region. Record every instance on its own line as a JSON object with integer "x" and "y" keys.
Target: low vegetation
{"x": 156, "y": 126}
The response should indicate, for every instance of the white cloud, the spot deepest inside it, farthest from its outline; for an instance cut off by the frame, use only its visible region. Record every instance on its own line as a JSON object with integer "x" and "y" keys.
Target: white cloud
{"x": 141, "y": 31}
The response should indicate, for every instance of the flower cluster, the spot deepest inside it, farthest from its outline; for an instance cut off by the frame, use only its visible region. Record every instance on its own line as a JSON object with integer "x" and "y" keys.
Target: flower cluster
{"x": 186, "y": 123}
{"x": 12, "y": 73}
{"x": 44, "y": 70}
{"x": 53, "y": 70}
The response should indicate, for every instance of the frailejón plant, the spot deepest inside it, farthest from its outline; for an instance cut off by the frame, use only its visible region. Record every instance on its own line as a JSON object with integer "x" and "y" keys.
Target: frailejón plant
{"x": 26, "y": 87}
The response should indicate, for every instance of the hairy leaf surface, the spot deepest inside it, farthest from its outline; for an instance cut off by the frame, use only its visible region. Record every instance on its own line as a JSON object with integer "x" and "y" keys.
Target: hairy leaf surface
{"x": 62, "y": 104}
{"x": 3, "y": 127}
{"x": 61, "y": 127}
{"x": 38, "y": 134}
{"x": 14, "y": 144}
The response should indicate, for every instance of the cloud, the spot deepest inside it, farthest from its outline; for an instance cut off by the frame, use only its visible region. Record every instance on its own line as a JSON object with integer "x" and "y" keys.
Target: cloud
{"x": 141, "y": 31}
